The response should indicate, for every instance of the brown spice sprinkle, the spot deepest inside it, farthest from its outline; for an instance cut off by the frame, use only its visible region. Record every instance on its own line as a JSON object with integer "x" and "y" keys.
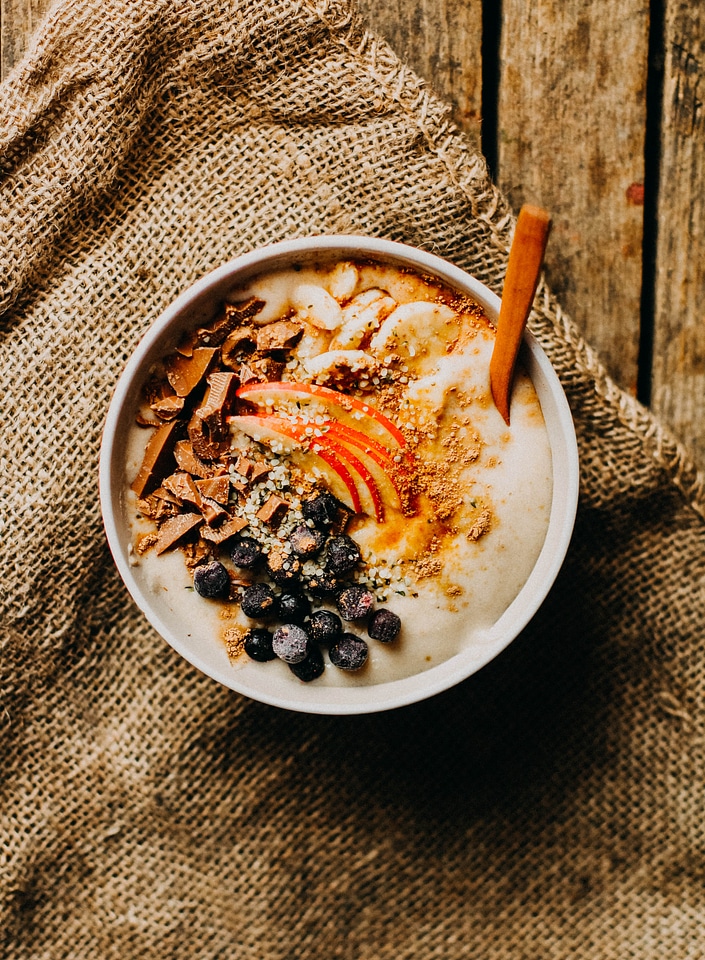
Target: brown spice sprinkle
{"x": 234, "y": 638}
{"x": 427, "y": 567}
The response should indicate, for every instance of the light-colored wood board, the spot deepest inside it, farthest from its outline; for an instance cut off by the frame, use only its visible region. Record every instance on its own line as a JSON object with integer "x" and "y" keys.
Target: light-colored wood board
{"x": 441, "y": 40}
{"x": 678, "y": 380}
{"x": 18, "y": 20}
{"x": 571, "y": 119}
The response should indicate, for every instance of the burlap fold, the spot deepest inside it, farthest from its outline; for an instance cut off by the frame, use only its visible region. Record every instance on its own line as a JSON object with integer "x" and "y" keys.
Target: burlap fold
{"x": 552, "y": 805}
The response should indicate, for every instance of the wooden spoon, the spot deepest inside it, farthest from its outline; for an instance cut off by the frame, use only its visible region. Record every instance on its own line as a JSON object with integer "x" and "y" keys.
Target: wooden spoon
{"x": 520, "y": 282}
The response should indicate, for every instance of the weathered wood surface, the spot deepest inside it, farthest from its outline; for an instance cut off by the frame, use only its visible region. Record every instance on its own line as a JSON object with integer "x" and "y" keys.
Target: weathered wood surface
{"x": 679, "y": 328}
{"x": 567, "y": 101}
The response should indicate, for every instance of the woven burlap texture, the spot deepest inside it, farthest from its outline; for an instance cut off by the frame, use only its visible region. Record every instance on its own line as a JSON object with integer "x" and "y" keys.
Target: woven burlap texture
{"x": 552, "y": 805}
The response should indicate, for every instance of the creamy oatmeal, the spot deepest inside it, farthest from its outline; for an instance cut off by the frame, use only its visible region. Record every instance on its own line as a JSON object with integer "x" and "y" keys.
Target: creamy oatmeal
{"x": 319, "y": 477}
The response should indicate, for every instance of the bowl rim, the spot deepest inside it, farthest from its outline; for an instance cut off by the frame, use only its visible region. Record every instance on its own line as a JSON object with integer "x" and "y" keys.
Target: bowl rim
{"x": 364, "y": 698}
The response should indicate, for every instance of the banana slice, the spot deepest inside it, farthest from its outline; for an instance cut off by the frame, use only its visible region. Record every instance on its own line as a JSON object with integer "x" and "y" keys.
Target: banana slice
{"x": 316, "y": 305}
{"x": 342, "y": 280}
{"x": 414, "y": 329}
{"x": 334, "y": 360}
{"x": 362, "y": 316}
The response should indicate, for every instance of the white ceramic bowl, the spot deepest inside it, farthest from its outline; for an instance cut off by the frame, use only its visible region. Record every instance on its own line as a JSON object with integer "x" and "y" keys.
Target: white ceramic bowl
{"x": 199, "y": 304}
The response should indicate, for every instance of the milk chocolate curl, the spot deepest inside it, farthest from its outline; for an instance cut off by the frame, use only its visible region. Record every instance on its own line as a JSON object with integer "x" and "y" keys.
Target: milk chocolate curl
{"x": 157, "y": 461}
{"x": 185, "y": 373}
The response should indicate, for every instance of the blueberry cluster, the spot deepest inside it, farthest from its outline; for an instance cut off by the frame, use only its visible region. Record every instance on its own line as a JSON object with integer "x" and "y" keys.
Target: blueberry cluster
{"x": 283, "y": 598}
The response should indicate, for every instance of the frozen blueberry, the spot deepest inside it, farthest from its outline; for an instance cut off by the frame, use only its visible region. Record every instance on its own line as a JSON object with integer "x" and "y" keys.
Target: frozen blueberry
{"x": 294, "y": 606}
{"x": 323, "y": 584}
{"x": 354, "y": 602}
{"x": 311, "y": 667}
{"x": 259, "y": 602}
{"x": 258, "y": 645}
{"x": 324, "y": 509}
{"x": 384, "y": 626}
{"x": 283, "y": 568}
{"x": 342, "y": 555}
{"x": 291, "y": 643}
{"x": 306, "y": 541}
{"x": 324, "y": 627}
{"x": 245, "y": 552}
{"x": 212, "y": 580}
{"x": 349, "y": 652}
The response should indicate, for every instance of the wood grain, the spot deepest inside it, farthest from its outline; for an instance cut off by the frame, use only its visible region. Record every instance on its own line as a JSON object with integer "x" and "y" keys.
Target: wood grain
{"x": 520, "y": 282}
{"x": 571, "y": 139}
{"x": 441, "y": 40}
{"x": 678, "y": 380}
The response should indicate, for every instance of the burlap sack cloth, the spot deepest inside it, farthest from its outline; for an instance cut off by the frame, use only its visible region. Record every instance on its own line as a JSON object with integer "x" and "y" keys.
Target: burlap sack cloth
{"x": 552, "y": 805}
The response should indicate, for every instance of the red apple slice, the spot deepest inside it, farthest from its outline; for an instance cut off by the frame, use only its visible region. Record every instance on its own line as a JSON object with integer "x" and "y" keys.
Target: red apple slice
{"x": 388, "y": 475}
{"x": 280, "y": 435}
{"x": 340, "y": 404}
{"x": 367, "y": 487}
{"x": 279, "y": 432}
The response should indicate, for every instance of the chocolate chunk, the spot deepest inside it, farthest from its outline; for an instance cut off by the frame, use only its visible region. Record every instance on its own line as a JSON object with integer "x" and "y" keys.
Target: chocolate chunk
{"x": 185, "y": 373}
{"x": 241, "y": 341}
{"x": 225, "y": 531}
{"x": 173, "y": 529}
{"x": 182, "y": 486}
{"x": 204, "y": 445}
{"x": 217, "y": 403}
{"x": 272, "y": 510}
{"x": 213, "y": 512}
{"x": 169, "y": 407}
{"x": 261, "y": 371}
{"x": 187, "y": 460}
{"x": 233, "y": 315}
{"x": 259, "y": 471}
{"x": 158, "y": 459}
{"x": 244, "y": 466}
{"x": 215, "y": 488}
{"x": 281, "y": 335}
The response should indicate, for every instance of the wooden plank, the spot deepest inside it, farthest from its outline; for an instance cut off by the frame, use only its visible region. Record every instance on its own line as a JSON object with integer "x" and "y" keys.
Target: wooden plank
{"x": 18, "y": 20}
{"x": 441, "y": 40}
{"x": 571, "y": 121}
{"x": 678, "y": 381}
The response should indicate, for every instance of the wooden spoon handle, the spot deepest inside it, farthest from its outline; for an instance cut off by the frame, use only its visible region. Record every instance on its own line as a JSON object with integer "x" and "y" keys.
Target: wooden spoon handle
{"x": 520, "y": 282}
